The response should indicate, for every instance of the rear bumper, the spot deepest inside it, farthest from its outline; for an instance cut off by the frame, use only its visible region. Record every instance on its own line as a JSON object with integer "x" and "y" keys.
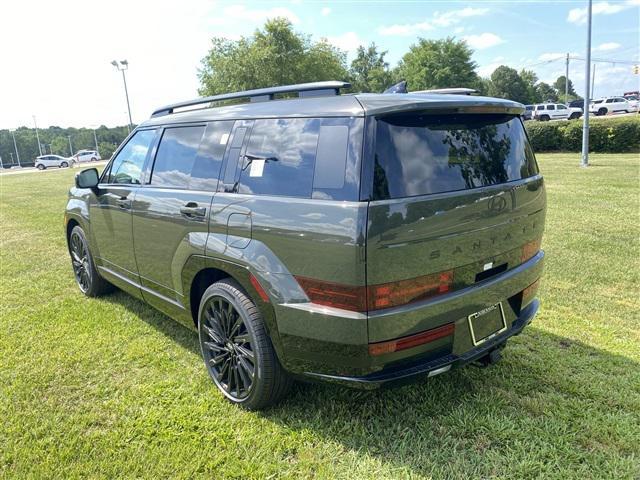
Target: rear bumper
{"x": 416, "y": 371}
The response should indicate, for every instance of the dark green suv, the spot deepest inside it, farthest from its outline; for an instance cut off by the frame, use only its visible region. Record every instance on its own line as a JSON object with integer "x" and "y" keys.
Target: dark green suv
{"x": 365, "y": 239}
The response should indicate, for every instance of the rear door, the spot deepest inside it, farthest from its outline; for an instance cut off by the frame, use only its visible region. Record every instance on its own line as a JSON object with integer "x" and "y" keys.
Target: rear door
{"x": 455, "y": 199}
{"x": 171, "y": 211}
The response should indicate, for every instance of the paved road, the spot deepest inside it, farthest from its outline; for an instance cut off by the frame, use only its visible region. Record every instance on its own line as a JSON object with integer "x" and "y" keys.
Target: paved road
{"x": 80, "y": 166}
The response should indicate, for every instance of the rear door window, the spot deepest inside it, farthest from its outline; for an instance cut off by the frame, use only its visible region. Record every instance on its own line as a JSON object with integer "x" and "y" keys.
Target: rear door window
{"x": 206, "y": 168}
{"x": 426, "y": 154}
{"x": 280, "y": 157}
{"x": 176, "y": 156}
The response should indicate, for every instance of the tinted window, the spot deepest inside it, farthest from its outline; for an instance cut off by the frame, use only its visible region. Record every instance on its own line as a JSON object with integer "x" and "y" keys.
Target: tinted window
{"x": 176, "y": 156}
{"x": 206, "y": 168}
{"x": 422, "y": 154}
{"x": 551, "y": 107}
{"x": 279, "y": 159}
{"x": 127, "y": 166}
{"x": 540, "y": 107}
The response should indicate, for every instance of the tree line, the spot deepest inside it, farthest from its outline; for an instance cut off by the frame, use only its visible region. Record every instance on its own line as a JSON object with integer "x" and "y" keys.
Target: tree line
{"x": 55, "y": 140}
{"x": 278, "y": 55}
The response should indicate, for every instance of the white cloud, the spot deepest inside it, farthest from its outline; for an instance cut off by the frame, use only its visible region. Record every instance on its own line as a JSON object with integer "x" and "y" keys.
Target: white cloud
{"x": 579, "y": 15}
{"x": 444, "y": 19}
{"x": 458, "y": 30}
{"x": 405, "y": 30}
{"x": 447, "y": 19}
{"x": 484, "y": 40}
{"x": 606, "y": 47}
{"x": 257, "y": 16}
{"x": 325, "y": 11}
{"x": 348, "y": 41}
{"x": 487, "y": 70}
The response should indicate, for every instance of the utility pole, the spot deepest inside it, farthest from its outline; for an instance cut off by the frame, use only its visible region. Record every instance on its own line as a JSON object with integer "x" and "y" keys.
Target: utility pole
{"x": 15, "y": 145}
{"x": 593, "y": 81}
{"x": 587, "y": 77}
{"x": 566, "y": 82}
{"x": 70, "y": 147}
{"x": 37, "y": 136}
{"x": 122, "y": 66}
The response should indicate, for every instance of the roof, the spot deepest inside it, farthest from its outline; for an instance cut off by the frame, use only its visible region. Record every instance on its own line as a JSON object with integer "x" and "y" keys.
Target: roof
{"x": 352, "y": 105}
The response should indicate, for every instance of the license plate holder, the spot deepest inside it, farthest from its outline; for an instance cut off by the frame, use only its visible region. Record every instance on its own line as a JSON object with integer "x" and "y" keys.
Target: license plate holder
{"x": 487, "y": 323}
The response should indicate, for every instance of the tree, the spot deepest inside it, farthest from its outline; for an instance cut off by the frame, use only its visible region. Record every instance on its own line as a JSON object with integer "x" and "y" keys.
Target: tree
{"x": 438, "y": 64}
{"x": 530, "y": 79}
{"x": 560, "y": 86}
{"x": 276, "y": 55}
{"x": 546, "y": 92}
{"x": 507, "y": 83}
{"x": 369, "y": 72}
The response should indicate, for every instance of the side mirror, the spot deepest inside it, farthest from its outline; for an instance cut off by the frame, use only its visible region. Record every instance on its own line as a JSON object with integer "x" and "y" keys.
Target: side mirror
{"x": 87, "y": 178}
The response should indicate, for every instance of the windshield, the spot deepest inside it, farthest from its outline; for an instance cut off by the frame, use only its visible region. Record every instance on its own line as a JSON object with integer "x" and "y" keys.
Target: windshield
{"x": 425, "y": 154}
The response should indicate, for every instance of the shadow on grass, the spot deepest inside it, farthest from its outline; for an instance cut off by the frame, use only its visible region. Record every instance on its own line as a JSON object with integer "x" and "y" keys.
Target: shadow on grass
{"x": 549, "y": 397}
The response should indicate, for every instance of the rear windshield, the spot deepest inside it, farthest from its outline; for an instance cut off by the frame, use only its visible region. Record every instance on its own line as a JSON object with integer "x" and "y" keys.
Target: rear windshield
{"x": 425, "y": 154}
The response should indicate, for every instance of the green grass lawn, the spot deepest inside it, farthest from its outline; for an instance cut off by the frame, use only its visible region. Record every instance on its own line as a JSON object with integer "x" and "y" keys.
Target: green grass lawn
{"x": 111, "y": 388}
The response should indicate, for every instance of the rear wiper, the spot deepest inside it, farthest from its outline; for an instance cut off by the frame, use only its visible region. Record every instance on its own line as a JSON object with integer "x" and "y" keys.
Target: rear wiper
{"x": 250, "y": 158}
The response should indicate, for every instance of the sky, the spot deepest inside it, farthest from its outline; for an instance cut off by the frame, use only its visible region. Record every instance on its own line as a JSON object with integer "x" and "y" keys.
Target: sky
{"x": 56, "y": 56}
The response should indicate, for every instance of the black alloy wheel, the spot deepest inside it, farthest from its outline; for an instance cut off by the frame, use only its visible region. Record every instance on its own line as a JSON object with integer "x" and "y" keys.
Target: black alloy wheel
{"x": 80, "y": 261}
{"x": 237, "y": 349}
{"x": 227, "y": 348}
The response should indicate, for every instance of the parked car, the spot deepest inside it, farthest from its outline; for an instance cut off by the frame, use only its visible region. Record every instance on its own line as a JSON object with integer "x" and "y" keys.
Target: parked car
{"x": 528, "y": 112}
{"x": 365, "y": 239}
{"x": 46, "y": 161}
{"x": 633, "y": 100}
{"x": 608, "y": 105}
{"x": 555, "y": 111}
{"x": 577, "y": 103}
{"x": 86, "y": 156}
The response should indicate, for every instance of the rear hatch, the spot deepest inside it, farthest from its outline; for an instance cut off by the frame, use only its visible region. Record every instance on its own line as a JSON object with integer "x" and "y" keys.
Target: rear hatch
{"x": 457, "y": 199}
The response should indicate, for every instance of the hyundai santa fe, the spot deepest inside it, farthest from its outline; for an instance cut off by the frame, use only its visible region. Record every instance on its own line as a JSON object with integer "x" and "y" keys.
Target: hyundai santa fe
{"x": 362, "y": 239}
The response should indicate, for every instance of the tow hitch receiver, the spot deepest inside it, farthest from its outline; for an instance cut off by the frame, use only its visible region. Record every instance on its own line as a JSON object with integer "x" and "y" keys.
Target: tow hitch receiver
{"x": 494, "y": 356}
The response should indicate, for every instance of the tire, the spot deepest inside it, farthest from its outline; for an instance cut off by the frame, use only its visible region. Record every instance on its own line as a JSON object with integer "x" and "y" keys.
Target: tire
{"x": 84, "y": 269}
{"x": 602, "y": 111}
{"x": 94, "y": 159}
{"x": 544, "y": 118}
{"x": 237, "y": 350}
{"x": 64, "y": 165}
{"x": 41, "y": 167}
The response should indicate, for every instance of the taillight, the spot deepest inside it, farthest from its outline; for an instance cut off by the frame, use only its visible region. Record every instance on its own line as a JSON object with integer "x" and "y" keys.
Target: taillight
{"x": 529, "y": 293}
{"x": 411, "y": 341}
{"x": 406, "y": 291}
{"x": 530, "y": 249}
{"x": 347, "y": 297}
{"x": 376, "y": 297}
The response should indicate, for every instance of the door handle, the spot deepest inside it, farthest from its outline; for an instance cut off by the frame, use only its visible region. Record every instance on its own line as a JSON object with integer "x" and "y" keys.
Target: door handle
{"x": 192, "y": 210}
{"x": 124, "y": 202}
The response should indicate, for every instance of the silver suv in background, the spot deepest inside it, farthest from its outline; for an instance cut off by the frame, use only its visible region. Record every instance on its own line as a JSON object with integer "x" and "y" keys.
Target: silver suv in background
{"x": 86, "y": 156}
{"x": 46, "y": 161}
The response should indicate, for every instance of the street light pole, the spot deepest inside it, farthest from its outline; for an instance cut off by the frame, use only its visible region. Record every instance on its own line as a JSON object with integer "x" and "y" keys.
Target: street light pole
{"x": 122, "y": 66}
{"x": 587, "y": 78}
{"x": 37, "y": 136}
{"x": 15, "y": 145}
{"x": 566, "y": 82}
{"x": 70, "y": 147}
{"x": 95, "y": 138}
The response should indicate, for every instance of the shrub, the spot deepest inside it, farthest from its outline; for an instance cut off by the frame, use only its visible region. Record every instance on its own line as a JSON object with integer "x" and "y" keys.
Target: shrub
{"x": 606, "y": 135}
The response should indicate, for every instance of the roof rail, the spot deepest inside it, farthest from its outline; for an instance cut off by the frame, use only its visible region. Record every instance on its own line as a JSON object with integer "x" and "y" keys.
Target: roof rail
{"x": 331, "y": 87}
{"x": 453, "y": 91}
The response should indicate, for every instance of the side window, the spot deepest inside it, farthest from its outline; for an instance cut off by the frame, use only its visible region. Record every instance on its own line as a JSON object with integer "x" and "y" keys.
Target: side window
{"x": 609, "y": 100}
{"x": 127, "y": 166}
{"x": 551, "y": 107}
{"x": 206, "y": 169}
{"x": 280, "y": 157}
{"x": 540, "y": 107}
{"x": 176, "y": 156}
